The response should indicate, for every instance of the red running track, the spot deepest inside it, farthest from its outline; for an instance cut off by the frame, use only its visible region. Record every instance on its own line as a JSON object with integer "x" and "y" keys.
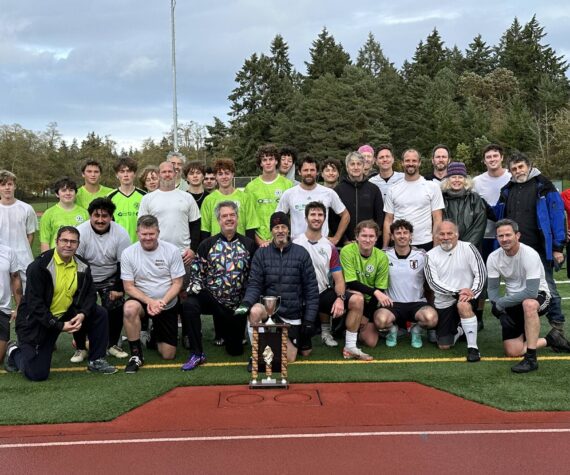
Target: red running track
{"x": 314, "y": 428}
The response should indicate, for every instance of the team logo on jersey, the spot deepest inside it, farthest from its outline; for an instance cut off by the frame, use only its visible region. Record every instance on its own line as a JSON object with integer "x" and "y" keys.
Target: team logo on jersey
{"x": 136, "y": 205}
{"x": 414, "y": 264}
{"x": 79, "y": 218}
{"x": 370, "y": 268}
{"x": 322, "y": 252}
{"x": 278, "y": 193}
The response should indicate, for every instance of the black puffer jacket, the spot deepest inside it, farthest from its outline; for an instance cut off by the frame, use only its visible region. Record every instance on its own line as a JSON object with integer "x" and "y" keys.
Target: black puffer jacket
{"x": 288, "y": 273}
{"x": 469, "y": 211}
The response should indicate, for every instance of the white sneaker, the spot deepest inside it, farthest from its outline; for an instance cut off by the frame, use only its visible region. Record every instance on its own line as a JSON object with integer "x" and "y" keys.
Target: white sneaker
{"x": 328, "y": 340}
{"x": 355, "y": 354}
{"x": 117, "y": 352}
{"x": 78, "y": 356}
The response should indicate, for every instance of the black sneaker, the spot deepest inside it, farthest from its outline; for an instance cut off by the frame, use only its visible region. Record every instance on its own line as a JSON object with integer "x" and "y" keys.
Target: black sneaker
{"x": 101, "y": 366}
{"x": 9, "y": 363}
{"x": 473, "y": 355}
{"x": 525, "y": 366}
{"x": 557, "y": 342}
{"x": 133, "y": 365}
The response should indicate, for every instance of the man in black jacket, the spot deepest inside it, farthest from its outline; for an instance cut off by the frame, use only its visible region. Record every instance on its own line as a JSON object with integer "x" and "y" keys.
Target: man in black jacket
{"x": 60, "y": 296}
{"x": 283, "y": 269}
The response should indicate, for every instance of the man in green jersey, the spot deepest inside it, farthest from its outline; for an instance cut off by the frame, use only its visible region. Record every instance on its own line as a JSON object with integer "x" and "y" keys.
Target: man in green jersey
{"x": 365, "y": 270}
{"x": 91, "y": 172}
{"x": 64, "y": 213}
{"x": 266, "y": 190}
{"x": 225, "y": 169}
{"x": 127, "y": 197}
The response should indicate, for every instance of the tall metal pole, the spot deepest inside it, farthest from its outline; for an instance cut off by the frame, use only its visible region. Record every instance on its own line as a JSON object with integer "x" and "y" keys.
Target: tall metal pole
{"x": 174, "y": 99}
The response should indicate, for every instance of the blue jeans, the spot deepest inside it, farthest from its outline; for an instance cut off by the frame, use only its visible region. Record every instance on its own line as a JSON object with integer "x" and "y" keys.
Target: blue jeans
{"x": 555, "y": 309}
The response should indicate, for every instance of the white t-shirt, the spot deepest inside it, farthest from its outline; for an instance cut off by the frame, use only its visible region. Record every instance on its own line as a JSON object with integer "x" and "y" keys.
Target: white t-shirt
{"x": 16, "y": 222}
{"x": 406, "y": 284}
{"x": 102, "y": 251}
{"x": 152, "y": 271}
{"x": 415, "y": 201}
{"x": 489, "y": 187}
{"x": 295, "y": 199}
{"x": 325, "y": 258}
{"x": 384, "y": 184}
{"x": 174, "y": 210}
{"x": 8, "y": 265}
{"x": 515, "y": 270}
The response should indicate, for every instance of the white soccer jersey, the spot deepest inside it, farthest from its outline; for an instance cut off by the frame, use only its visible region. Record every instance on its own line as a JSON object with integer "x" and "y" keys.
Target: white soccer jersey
{"x": 295, "y": 199}
{"x": 447, "y": 272}
{"x": 152, "y": 271}
{"x": 16, "y": 222}
{"x": 9, "y": 264}
{"x": 489, "y": 188}
{"x": 174, "y": 210}
{"x": 415, "y": 201}
{"x": 515, "y": 270}
{"x": 102, "y": 251}
{"x": 385, "y": 185}
{"x": 407, "y": 279}
{"x": 325, "y": 258}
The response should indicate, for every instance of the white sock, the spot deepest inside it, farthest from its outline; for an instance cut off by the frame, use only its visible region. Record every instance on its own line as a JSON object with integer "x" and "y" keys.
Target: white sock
{"x": 470, "y": 328}
{"x": 250, "y": 333}
{"x": 325, "y": 328}
{"x": 350, "y": 339}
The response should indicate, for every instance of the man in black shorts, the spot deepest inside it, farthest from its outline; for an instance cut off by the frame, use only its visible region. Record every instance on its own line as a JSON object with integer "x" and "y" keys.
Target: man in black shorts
{"x": 405, "y": 288}
{"x": 526, "y": 298}
{"x": 152, "y": 271}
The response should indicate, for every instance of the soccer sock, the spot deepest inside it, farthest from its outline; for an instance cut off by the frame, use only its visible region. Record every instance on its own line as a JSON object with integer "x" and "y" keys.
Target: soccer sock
{"x": 136, "y": 348}
{"x": 531, "y": 353}
{"x": 470, "y": 328}
{"x": 416, "y": 329}
{"x": 250, "y": 333}
{"x": 458, "y": 335}
{"x": 325, "y": 328}
{"x": 350, "y": 339}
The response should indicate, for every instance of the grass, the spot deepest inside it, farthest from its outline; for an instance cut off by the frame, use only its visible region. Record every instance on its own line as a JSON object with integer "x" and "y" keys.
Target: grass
{"x": 71, "y": 394}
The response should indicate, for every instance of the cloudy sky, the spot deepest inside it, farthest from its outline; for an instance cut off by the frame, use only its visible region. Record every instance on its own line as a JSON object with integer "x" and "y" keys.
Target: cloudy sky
{"x": 104, "y": 65}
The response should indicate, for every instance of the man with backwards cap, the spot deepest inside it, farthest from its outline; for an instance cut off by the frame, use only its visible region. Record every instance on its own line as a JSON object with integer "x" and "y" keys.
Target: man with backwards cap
{"x": 367, "y": 153}
{"x": 284, "y": 269}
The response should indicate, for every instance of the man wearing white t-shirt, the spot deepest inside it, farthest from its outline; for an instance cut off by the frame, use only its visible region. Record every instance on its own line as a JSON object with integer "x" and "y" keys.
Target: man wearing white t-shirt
{"x": 10, "y": 284}
{"x": 488, "y": 185}
{"x": 18, "y": 222}
{"x": 526, "y": 297}
{"x": 416, "y": 200}
{"x": 386, "y": 177}
{"x": 295, "y": 199}
{"x": 152, "y": 271}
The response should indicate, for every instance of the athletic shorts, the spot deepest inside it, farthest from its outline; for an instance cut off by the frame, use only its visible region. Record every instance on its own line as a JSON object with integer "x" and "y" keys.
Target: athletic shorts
{"x": 370, "y": 308}
{"x": 512, "y": 322}
{"x": 447, "y": 322}
{"x": 327, "y": 298}
{"x": 294, "y": 335}
{"x": 4, "y": 326}
{"x": 406, "y": 311}
{"x": 164, "y": 325}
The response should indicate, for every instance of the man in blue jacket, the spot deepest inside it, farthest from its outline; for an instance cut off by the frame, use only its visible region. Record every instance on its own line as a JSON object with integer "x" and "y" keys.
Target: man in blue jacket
{"x": 532, "y": 201}
{"x": 283, "y": 269}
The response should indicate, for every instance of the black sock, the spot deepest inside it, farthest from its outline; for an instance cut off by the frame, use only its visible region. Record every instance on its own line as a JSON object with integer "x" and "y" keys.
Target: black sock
{"x": 531, "y": 353}
{"x": 136, "y": 348}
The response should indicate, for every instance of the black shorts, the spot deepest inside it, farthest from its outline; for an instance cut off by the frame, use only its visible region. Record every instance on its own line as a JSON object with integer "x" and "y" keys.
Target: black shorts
{"x": 447, "y": 322}
{"x": 513, "y": 322}
{"x": 164, "y": 325}
{"x": 327, "y": 298}
{"x": 294, "y": 335}
{"x": 4, "y": 326}
{"x": 406, "y": 311}
{"x": 370, "y": 308}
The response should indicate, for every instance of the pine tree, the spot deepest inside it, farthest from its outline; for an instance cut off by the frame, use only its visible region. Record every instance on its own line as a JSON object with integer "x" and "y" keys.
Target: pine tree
{"x": 479, "y": 57}
{"x": 430, "y": 57}
{"x": 371, "y": 58}
{"x": 326, "y": 57}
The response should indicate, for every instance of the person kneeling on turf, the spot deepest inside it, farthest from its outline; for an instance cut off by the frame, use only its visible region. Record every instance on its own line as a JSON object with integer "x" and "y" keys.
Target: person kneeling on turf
{"x": 60, "y": 296}
{"x": 526, "y": 297}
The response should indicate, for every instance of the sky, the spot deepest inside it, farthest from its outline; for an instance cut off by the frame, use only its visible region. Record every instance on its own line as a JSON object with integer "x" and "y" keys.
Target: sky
{"x": 105, "y": 65}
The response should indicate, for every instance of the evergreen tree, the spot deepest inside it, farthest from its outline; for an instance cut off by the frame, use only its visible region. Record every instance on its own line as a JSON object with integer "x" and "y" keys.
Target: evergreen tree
{"x": 217, "y": 141}
{"x": 479, "y": 57}
{"x": 430, "y": 57}
{"x": 326, "y": 57}
{"x": 371, "y": 58}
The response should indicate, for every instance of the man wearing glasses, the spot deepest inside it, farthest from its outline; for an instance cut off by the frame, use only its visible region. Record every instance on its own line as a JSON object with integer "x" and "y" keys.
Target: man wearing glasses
{"x": 60, "y": 296}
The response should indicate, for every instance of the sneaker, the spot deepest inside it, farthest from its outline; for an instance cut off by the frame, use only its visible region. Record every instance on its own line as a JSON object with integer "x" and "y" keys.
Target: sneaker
{"x": 392, "y": 339}
{"x": 196, "y": 359}
{"x": 328, "y": 340}
{"x": 525, "y": 366}
{"x": 101, "y": 366}
{"x": 432, "y": 336}
{"x": 117, "y": 352}
{"x": 557, "y": 342}
{"x": 9, "y": 363}
{"x": 133, "y": 365}
{"x": 417, "y": 340}
{"x": 473, "y": 355}
{"x": 355, "y": 354}
{"x": 78, "y": 356}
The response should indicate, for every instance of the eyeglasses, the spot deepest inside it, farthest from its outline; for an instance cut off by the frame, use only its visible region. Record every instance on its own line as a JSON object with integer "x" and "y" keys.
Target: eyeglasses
{"x": 69, "y": 242}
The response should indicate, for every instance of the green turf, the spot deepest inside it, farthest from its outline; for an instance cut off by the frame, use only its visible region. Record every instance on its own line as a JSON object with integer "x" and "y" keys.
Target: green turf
{"x": 78, "y": 396}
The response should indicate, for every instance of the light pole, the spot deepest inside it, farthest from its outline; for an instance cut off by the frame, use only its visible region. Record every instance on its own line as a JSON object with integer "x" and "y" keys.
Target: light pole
{"x": 174, "y": 100}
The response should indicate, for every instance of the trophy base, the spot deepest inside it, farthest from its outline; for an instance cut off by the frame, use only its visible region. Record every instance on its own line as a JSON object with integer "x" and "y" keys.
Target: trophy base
{"x": 269, "y": 383}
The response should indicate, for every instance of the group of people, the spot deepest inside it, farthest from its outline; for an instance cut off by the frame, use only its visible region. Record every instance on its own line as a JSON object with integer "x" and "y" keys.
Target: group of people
{"x": 371, "y": 255}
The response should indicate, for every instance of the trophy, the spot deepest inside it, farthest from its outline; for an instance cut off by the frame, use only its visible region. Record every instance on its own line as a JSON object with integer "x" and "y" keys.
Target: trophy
{"x": 271, "y": 305}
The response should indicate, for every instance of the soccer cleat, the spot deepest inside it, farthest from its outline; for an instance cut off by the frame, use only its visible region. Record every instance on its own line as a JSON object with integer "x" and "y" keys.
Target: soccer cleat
{"x": 78, "y": 356}
{"x": 557, "y": 342}
{"x": 133, "y": 365}
{"x": 9, "y": 363}
{"x": 432, "y": 336}
{"x": 328, "y": 340}
{"x": 417, "y": 340}
{"x": 355, "y": 354}
{"x": 196, "y": 359}
{"x": 101, "y": 366}
{"x": 525, "y": 366}
{"x": 117, "y": 352}
{"x": 473, "y": 355}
